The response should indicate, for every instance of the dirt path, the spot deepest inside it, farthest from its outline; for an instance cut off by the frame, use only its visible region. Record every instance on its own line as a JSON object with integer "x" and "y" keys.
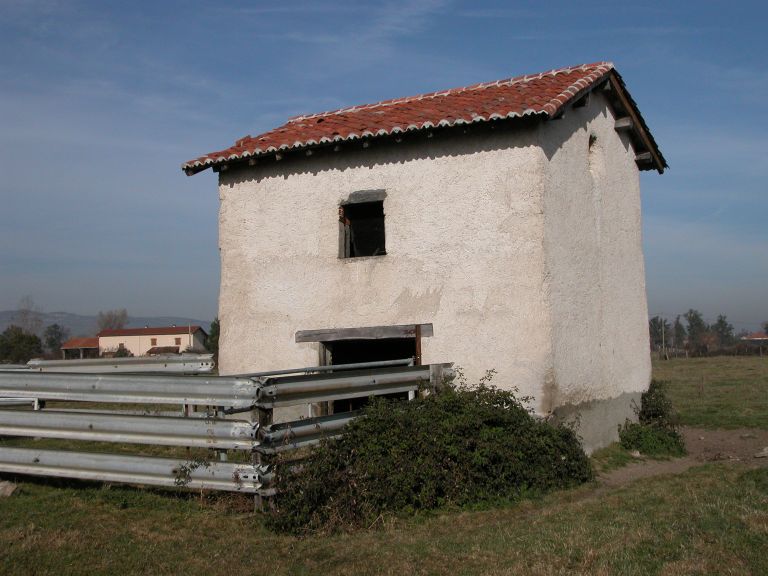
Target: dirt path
{"x": 738, "y": 445}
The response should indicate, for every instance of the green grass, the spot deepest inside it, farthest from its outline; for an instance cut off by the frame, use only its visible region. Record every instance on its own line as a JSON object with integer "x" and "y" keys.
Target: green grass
{"x": 719, "y": 392}
{"x": 610, "y": 458}
{"x": 712, "y": 519}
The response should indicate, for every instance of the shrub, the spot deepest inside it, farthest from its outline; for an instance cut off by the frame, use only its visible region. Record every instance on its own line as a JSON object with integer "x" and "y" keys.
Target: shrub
{"x": 18, "y": 346}
{"x": 656, "y": 408}
{"x": 651, "y": 440}
{"x": 656, "y": 433}
{"x": 462, "y": 446}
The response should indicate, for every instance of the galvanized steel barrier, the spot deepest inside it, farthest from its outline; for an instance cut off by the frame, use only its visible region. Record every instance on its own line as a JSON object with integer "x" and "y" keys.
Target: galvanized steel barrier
{"x": 220, "y": 397}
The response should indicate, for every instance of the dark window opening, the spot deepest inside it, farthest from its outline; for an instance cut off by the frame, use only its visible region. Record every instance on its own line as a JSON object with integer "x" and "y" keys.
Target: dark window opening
{"x": 361, "y": 228}
{"x": 373, "y": 350}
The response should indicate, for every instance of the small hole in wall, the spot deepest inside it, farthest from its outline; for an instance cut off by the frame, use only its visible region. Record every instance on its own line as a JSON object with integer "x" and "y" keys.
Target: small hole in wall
{"x": 595, "y": 157}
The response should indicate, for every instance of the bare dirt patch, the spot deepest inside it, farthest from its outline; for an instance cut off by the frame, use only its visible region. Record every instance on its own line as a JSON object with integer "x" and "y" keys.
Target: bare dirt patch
{"x": 739, "y": 445}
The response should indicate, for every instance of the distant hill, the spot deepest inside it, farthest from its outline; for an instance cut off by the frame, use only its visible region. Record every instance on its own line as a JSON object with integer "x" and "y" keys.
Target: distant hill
{"x": 81, "y": 325}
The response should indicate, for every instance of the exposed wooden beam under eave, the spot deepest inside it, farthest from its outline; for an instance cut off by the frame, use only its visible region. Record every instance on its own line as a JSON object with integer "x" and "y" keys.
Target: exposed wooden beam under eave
{"x": 640, "y": 130}
{"x": 643, "y": 157}
{"x": 624, "y": 123}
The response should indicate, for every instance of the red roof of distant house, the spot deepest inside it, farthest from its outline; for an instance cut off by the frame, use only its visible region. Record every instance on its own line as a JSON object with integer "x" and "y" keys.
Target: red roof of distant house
{"x": 74, "y": 343}
{"x": 543, "y": 95}
{"x": 158, "y": 331}
{"x": 755, "y": 336}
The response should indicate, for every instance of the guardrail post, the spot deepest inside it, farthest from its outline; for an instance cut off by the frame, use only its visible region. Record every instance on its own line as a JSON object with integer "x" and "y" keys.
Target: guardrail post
{"x": 264, "y": 417}
{"x": 435, "y": 377}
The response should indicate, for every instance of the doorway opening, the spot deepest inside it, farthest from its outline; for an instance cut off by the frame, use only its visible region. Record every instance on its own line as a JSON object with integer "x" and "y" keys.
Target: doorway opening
{"x": 366, "y": 350}
{"x": 364, "y": 344}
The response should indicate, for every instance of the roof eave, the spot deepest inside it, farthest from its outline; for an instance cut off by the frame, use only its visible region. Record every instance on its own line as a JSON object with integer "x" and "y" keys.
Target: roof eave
{"x": 195, "y": 167}
{"x": 658, "y": 162}
{"x": 554, "y": 109}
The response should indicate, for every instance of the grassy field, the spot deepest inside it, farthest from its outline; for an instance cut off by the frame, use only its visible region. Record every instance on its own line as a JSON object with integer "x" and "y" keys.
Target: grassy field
{"x": 719, "y": 392}
{"x": 712, "y": 519}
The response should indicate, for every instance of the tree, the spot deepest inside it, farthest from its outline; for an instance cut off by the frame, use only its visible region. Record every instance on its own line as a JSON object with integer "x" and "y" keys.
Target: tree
{"x": 697, "y": 329}
{"x": 54, "y": 336}
{"x": 212, "y": 342}
{"x": 723, "y": 331}
{"x": 765, "y": 326}
{"x": 112, "y": 319}
{"x": 660, "y": 332}
{"x": 27, "y": 316}
{"x": 19, "y": 347}
{"x": 679, "y": 333}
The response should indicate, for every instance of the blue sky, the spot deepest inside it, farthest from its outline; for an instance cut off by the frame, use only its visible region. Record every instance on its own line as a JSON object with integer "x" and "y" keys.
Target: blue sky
{"x": 100, "y": 103}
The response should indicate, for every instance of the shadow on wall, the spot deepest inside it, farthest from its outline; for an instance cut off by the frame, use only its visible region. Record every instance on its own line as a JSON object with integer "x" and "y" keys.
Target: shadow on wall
{"x": 500, "y": 135}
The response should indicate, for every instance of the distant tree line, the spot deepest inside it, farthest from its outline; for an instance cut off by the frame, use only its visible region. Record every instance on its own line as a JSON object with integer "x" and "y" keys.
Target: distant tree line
{"x": 26, "y": 338}
{"x": 691, "y": 335}
{"x": 18, "y": 345}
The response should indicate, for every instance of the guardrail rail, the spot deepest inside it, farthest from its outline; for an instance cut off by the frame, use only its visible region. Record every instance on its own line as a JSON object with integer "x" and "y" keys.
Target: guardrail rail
{"x": 235, "y": 413}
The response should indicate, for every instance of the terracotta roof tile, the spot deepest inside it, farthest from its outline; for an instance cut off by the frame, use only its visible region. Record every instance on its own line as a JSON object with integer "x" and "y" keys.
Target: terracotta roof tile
{"x": 73, "y": 343}
{"x": 756, "y": 336}
{"x": 540, "y": 95}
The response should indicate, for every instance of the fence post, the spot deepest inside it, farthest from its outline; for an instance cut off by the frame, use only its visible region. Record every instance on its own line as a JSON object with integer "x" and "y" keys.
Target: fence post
{"x": 264, "y": 417}
{"x": 435, "y": 377}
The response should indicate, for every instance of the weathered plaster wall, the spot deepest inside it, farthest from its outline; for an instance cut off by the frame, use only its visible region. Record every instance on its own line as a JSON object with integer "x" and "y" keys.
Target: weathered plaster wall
{"x": 522, "y": 248}
{"x": 595, "y": 269}
{"x": 464, "y": 237}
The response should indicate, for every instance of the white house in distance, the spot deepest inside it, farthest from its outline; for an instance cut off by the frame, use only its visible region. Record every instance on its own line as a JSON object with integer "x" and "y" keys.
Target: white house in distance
{"x": 149, "y": 341}
{"x": 493, "y": 226}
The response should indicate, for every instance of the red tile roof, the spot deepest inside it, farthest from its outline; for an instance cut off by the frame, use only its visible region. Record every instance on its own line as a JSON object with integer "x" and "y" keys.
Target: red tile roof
{"x": 756, "y": 336}
{"x": 74, "y": 343}
{"x": 159, "y": 331}
{"x": 542, "y": 95}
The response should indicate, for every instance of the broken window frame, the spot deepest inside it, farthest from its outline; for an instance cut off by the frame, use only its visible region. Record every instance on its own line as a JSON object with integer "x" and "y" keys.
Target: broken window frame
{"x": 347, "y": 229}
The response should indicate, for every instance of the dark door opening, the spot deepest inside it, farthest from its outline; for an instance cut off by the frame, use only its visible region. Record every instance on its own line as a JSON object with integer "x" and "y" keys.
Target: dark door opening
{"x": 367, "y": 350}
{"x": 352, "y": 351}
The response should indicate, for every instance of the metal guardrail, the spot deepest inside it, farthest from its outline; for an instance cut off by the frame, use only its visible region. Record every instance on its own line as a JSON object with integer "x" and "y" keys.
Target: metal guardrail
{"x": 167, "y": 363}
{"x": 332, "y": 368}
{"x": 167, "y": 472}
{"x": 134, "y": 389}
{"x": 257, "y": 393}
{"x": 153, "y": 430}
{"x": 288, "y": 390}
{"x": 18, "y": 402}
{"x": 277, "y": 438}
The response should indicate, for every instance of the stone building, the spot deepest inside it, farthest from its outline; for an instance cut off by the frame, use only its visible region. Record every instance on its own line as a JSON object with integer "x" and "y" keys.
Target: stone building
{"x": 493, "y": 226}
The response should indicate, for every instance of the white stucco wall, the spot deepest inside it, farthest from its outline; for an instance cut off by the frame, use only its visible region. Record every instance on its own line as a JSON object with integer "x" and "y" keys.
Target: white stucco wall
{"x": 464, "y": 234}
{"x": 523, "y": 255}
{"x": 139, "y": 345}
{"x": 594, "y": 258}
